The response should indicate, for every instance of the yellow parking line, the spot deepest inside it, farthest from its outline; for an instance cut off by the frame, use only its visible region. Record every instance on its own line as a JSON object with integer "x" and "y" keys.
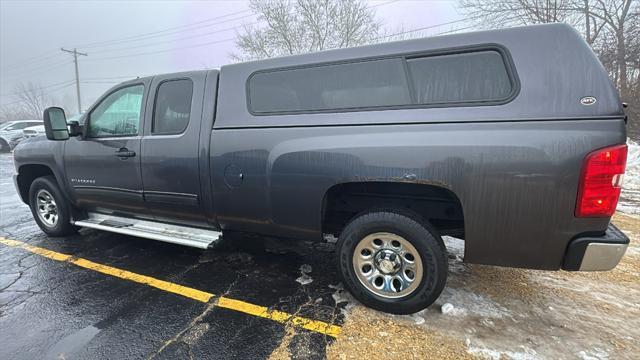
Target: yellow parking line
{"x": 279, "y": 316}
{"x": 195, "y": 294}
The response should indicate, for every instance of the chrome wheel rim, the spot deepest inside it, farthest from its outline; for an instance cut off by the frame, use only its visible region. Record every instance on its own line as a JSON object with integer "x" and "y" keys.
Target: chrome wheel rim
{"x": 387, "y": 265}
{"x": 46, "y": 208}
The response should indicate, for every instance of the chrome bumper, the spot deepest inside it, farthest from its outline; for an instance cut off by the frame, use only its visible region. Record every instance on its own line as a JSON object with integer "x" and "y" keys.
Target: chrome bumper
{"x": 596, "y": 253}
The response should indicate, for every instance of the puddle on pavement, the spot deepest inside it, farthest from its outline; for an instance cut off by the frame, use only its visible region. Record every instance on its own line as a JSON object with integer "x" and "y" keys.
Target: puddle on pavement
{"x": 72, "y": 343}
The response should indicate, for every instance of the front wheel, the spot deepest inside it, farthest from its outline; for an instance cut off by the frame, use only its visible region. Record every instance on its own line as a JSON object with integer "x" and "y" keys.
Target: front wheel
{"x": 50, "y": 209}
{"x": 392, "y": 261}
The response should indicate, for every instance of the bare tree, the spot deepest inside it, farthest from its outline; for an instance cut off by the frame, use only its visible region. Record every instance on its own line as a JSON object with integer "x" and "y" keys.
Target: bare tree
{"x": 12, "y": 112}
{"x": 621, "y": 19}
{"x": 299, "y": 26}
{"x": 32, "y": 100}
{"x": 495, "y": 14}
{"x": 611, "y": 27}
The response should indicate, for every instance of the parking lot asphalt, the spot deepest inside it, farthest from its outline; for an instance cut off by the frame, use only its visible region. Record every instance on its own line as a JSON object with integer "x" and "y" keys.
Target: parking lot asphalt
{"x": 103, "y": 295}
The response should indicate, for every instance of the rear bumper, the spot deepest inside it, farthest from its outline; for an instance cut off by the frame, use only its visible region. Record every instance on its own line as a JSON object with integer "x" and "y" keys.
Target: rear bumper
{"x": 596, "y": 253}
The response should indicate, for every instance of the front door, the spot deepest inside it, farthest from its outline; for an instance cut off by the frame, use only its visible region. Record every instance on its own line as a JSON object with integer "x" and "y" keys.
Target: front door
{"x": 170, "y": 149}
{"x": 103, "y": 167}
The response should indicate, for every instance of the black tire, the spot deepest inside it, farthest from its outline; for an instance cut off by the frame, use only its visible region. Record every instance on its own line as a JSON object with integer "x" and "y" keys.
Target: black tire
{"x": 425, "y": 240}
{"x": 63, "y": 226}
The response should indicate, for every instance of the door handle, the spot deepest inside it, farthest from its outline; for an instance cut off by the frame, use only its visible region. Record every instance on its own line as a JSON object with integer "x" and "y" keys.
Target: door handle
{"x": 125, "y": 153}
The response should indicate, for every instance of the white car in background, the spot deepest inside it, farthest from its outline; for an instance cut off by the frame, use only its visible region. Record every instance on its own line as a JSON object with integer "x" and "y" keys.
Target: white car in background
{"x": 33, "y": 131}
{"x": 12, "y": 131}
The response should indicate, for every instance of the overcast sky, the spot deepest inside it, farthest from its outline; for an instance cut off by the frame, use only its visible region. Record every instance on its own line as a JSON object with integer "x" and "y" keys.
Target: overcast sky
{"x": 125, "y": 39}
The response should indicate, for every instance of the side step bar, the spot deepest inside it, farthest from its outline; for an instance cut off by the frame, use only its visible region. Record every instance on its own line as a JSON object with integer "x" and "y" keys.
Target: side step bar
{"x": 176, "y": 234}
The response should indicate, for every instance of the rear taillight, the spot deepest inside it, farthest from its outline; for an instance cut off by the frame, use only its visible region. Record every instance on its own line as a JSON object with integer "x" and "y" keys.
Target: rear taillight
{"x": 600, "y": 182}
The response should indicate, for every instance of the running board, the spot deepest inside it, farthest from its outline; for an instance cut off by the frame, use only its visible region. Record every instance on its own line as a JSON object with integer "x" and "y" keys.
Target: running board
{"x": 176, "y": 234}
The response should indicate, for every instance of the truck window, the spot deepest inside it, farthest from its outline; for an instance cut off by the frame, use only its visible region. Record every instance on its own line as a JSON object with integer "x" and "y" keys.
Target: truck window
{"x": 172, "y": 108}
{"x": 118, "y": 114}
{"x": 330, "y": 87}
{"x": 467, "y": 77}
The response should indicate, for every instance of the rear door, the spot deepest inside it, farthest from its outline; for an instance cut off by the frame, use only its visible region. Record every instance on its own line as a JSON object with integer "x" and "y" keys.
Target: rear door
{"x": 170, "y": 170}
{"x": 103, "y": 168}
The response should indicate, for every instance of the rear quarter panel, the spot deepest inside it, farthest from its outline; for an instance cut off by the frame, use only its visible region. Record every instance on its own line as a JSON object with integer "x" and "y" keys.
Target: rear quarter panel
{"x": 517, "y": 181}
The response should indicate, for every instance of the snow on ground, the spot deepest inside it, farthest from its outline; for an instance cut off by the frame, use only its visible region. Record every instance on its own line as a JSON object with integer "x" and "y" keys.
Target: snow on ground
{"x": 630, "y": 197}
{"x": 304, "y": 278}
{"x": 504, "y": 313}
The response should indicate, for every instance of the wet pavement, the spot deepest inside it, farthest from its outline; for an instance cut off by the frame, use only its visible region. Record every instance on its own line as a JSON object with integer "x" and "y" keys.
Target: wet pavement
{"x": 56, "y": 307}
{"x": 53, "y": 309}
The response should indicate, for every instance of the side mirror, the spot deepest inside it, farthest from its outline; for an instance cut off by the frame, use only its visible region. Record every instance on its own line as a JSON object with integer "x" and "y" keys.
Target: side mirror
{"x": 74, "y": 128}
{"x": 55, "y": 124}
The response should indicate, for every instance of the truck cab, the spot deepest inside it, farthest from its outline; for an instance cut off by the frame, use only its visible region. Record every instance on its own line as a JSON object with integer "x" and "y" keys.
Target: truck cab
{"x": 143, "y": 131}
{"x": 146, "y": 130}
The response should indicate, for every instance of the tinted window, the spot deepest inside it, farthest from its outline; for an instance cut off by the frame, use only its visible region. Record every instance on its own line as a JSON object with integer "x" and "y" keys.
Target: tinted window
{"x": 118, "y": 114}
{"x": 173, "y": 107}
{"x": 330, "y": 87}
{"x": 20, "y": 126}
{"x": 469, "y": 77}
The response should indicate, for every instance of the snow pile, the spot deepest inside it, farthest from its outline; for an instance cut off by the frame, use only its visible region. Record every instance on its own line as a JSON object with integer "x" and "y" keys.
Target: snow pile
{"x": 341, "y": 296}
{"x": 305, "y": 279}
{"x": 595, "y": 354}
{"x": 630, "y": 197}
{"x": 447, "y": 308}
{"x": 467, "y": 303}
{"x": 485, "y": 353}
{"x": 454, "y": 246}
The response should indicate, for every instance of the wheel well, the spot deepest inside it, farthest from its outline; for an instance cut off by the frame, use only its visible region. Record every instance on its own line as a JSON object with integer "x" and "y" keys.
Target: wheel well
{"x": 438, "y": 205}
{"x": 26, "y": 175}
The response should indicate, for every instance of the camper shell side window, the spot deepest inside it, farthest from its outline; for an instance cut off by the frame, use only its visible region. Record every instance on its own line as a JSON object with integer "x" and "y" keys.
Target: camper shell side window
{"x": 464, "y": 77}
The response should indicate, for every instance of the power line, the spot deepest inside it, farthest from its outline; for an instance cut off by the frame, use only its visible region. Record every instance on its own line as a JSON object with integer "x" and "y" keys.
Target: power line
{"x": 178, "y": 39}
{"x": 51, "y": 54}
{"x": 40, "y": 87}
{"x": 423, "y": 28}
{"x": 36, "y": 70}
{"x": 46, "y": 93}
{"x": 170, "y": 30}
{"x": 173, "y": 33}
{"x": 382, "y": 4}
{"x": 455, "y": 30}
{"x": 165, "y": 50}
{"x": 32, "y": 60}
{"x": 190, "y": 37}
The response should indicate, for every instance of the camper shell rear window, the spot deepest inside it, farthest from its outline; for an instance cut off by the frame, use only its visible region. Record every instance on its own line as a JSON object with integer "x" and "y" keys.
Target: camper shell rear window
{"x": 470, "y": 77}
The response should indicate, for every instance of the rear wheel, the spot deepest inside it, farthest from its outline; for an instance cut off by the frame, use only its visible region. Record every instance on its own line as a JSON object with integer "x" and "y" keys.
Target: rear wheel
{"x": 50, "y": 209}
{"x": 392, "y": 261}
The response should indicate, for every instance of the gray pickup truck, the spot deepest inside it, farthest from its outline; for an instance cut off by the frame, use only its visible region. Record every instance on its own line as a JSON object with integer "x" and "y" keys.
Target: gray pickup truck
{"x": 513, "y": 140}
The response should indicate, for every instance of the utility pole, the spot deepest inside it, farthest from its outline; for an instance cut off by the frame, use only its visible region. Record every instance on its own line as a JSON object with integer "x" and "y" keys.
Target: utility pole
{"x": 75, "y": 54}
